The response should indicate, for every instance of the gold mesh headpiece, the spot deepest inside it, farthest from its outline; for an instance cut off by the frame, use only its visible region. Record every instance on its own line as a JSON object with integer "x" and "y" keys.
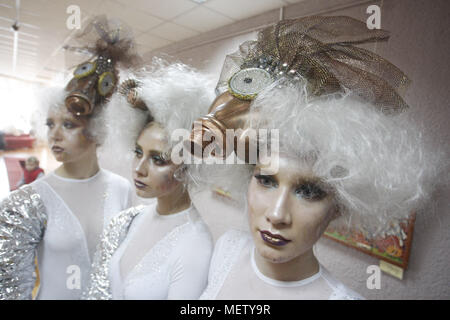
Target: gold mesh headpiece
{"x": 321, "y": 50}
{"x": 110, "y": 42}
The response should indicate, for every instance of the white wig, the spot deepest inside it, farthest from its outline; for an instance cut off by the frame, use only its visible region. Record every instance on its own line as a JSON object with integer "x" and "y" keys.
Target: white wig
{"x": 48, "y": 98}
{"x": 175, "y": 95}
{"x": 53, "y": 98}
{"x": 379, "y": 167}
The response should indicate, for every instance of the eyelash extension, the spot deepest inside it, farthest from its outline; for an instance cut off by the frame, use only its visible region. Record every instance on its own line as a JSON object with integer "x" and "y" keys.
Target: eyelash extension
{"x": 160, "y": 159}
{"x": 136, "y": 150}
{"x": 316, "y": 193}
{"x": 260, "y": 177}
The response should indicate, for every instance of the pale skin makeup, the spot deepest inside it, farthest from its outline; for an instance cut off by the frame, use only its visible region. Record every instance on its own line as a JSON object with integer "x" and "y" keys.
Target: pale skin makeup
{"x": 288, "y": 212}
{"x": 70, "y": 144}
{"x": 153, "y": 172}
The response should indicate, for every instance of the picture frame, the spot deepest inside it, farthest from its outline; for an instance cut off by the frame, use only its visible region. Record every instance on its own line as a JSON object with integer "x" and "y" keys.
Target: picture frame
{"x": 393, "y": 246}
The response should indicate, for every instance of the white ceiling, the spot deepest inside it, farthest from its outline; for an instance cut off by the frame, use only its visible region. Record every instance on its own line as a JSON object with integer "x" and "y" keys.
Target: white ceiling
{"x": 156, "y": 23}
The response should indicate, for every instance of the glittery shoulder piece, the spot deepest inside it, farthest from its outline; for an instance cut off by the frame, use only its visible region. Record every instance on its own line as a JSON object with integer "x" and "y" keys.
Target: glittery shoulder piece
{"x": 22, "y": 223}
{"x": 99, "y": 287}
{"x": 227, "y": 252}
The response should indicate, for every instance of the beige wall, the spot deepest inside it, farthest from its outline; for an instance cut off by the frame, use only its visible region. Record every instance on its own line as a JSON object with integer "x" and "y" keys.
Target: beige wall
{"x": 420, "y": 46}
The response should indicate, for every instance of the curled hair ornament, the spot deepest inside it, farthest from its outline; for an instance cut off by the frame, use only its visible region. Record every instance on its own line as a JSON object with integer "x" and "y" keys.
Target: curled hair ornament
{"x": 110, "y": 44}
{"x": 130, "y": 89}
{"x": 319, "y": 50}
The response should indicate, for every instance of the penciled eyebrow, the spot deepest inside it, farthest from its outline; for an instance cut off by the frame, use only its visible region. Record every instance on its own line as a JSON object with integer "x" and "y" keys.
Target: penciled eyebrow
{"x": 162, "y": 155}
{"x": 307, "y": 180}
{"x": 151, "y": 152}
{"x": 298, "y": 181}
{"x": 73, "y": 120}
{"x": 270, "y": 177}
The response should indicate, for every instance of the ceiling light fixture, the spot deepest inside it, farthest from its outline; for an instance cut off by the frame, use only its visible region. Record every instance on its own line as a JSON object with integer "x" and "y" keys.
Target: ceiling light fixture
{"x": 15, "y": 27}
{"x": 199, "y": 1}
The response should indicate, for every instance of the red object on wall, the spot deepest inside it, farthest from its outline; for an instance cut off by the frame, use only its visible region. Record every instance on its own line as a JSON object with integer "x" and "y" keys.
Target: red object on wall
{"x": 18, "y": 142}
{"x": 14, "y": 171}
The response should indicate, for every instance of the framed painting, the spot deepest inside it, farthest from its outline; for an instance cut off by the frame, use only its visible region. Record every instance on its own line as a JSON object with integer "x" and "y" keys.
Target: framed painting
{"x": 392, "y": 246}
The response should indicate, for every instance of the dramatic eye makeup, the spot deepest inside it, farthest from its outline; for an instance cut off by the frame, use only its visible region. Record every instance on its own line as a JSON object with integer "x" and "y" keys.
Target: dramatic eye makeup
{"x": 158, "y": 159}
{"x": 138, "y": 151}
{"x": 310, "y": 191}
{"x": 155, "y": 156}
{"x": 69, "y": 124}
{"x": 49, "y": 123}
{"x": 266, "y": 181}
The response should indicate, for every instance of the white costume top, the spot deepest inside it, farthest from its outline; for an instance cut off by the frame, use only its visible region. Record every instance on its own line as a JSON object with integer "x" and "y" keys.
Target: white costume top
{"x": 146, "y": 255}
{"x": 77, "y": 211}
{"x": 234, "y": 275}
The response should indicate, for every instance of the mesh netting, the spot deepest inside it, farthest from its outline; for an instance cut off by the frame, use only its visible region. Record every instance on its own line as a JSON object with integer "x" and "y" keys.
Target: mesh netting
{"x": 109, "y": 37}
{"x": 323, "y": 51}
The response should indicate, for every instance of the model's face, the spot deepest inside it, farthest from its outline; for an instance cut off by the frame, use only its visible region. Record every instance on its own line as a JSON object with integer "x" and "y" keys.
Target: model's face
{"x": 67, "y": 136}
{"x": 153, "y": 174}
{"x": 288, "y": 211}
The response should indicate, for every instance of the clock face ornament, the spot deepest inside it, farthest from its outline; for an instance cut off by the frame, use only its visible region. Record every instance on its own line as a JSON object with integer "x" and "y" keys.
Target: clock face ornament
{"x": 106, "y": 83}
{"x": 85, "y": 69}
{"x": 247, "y": 83}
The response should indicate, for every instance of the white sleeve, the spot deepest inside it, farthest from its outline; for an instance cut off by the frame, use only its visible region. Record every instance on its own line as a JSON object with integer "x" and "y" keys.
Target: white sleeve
{"x": 21, "y": 181}
{"x": 226, "y": 252}
{"x": 126, "y": 193}
{"x": 129, "y": 196}
{"x": 189, "y": 276}
{"x": 340, "y": 291}
{"x": 217, "y": 257}
{"x": 122, "y": 190}
{"x": 40, "y": 175}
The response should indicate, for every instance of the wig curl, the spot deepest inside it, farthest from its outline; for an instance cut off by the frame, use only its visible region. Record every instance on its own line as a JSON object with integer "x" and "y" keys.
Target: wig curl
{"x": 53, "y": 98}
{"x": 379, "y": 167}
{"x": 174, "y": 94}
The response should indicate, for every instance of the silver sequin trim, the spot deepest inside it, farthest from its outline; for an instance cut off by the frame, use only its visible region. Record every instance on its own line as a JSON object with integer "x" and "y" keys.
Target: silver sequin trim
{"x": 99, "y": 287}
{"x": 22, "y": 223}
